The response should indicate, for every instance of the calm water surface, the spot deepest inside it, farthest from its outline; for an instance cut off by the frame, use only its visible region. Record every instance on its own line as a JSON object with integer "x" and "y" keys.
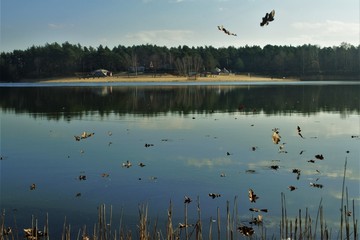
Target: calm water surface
{"x": 193, "y": 139}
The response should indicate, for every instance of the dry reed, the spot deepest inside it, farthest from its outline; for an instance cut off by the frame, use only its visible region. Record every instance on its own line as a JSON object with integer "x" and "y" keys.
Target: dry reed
{"x": 298, "y": 228}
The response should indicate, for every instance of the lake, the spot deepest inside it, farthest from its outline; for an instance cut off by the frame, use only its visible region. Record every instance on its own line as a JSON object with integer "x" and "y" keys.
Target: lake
{"x": 191, "y": 140}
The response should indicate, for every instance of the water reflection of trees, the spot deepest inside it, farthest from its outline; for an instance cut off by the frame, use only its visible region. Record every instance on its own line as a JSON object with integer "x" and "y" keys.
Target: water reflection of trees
{"x": 70, "y": 102}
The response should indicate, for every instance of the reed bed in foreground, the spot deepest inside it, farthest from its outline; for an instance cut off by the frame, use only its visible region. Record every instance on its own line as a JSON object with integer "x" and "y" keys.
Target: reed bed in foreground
{"x": 299, "y": 227}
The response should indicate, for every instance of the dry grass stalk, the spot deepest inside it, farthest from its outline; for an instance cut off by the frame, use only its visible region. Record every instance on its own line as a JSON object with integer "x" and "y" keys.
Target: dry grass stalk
{"x": 218, "y": 223}
{"x": 169, "y": 225}
{"x": 210, "y": 228}
{"x": 198, "y": 223}
{"x": 186, "y": 222}
{"x": 235, "y": 217}
{"x": 342, "y": 202}
{"x": 300, "y": 226}
{"x": 355, "y": 226}
{"x": 289, "y": 229}
{"x": 227, "y": 220}
{"x": 143, "y": 213}
{"x": 296, "y": 228}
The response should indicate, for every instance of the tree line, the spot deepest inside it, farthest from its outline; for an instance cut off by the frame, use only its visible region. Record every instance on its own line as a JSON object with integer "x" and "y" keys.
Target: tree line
{"x": 69, "y": 103}
{"x": 63, "y": 60}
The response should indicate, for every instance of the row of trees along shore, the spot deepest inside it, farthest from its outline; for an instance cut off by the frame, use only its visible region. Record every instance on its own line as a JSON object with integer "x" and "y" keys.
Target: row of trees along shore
{"x": 65, "y": 60}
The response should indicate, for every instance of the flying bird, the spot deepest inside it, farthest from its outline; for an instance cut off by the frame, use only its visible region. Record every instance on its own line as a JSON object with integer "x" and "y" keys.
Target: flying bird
{"x": 258, "y": 210}
{"x": 246, "y": 231}
{"x": 127, "y": 164}
{"x": 214, "y": 195}
{"x": 252, "y": 196}
{"x": 282, "y": 148}
{"x": 299, "y": 132}
{"x": 274, "y": 167}
{"x": 187, "y": 199}
{"x": 257, "y": 221}
{"x": 82, "y": 177}
{"x": 32, "y": 186}
{"x": 183, "y": 225}
{"x": 275, "y": 136}
{"x": 298, "y": 172}
{"x": 316, "y": 185}
{"x": 269, "y": 17}
{"x": 221, "y": 28}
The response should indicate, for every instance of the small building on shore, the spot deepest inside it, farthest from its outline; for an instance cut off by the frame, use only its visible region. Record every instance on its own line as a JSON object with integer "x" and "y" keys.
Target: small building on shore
{"x": 101, "y": 73}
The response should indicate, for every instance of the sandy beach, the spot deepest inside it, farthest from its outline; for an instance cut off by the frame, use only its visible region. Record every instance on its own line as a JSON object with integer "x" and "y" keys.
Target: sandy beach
{"x": 167, "y": 78}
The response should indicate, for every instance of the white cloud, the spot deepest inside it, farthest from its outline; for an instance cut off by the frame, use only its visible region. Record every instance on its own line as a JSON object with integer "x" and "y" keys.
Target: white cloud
{"x": 55, "y": 26}
{"x": 160, "y": 37}
{"x": 329, "y": 26}
{"x": 338, "y": 195}
{"x": 210, "y": 163}
{"x": 59, "y": 26}
{"x": 329, "y": 31}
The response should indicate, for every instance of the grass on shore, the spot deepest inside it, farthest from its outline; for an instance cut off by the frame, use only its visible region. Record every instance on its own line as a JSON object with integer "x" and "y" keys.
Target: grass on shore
{"x": 161, "y": 78}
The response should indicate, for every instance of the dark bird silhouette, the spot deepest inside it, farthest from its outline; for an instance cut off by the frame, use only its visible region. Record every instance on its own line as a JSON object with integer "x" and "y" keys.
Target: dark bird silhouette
{"x": 32, "y": 186}
{"x": 282, "y": 148}
{"x": 258, "y": 210}
{"x": 214, "y": 195}
{"x": 274, "y": 167}
{"x": 299, "y": 132}
{"x": 252, "y": 196}
{"x": 183, "y": 225}
{"x": 221, "y": 28}
{"x": 257, "y": 221}
{"x": 292, "y": 188}
{"x": 319, "y": 156}
{"x": 84, "y": 135}
{"x": 187, "y": 199}
{"x": 298, "y": 172}
{"x": 269, "y": 17}
{"x": 82, "y": 177}
{"x": 246, "y": 231}
{"x": 316, "y": 185}
{"x": 127, "y": 164}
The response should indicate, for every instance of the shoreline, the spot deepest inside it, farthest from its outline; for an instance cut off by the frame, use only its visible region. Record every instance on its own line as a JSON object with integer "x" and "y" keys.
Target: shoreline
{"x": 162, "y": 78}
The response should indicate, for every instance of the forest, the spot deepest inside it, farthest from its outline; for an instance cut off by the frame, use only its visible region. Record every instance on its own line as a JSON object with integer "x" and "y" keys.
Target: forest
{"x": 67, "y": 60}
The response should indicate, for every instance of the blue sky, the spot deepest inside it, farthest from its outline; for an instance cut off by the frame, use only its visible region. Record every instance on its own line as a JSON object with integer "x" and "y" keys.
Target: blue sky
{"x": 25, "y": 23}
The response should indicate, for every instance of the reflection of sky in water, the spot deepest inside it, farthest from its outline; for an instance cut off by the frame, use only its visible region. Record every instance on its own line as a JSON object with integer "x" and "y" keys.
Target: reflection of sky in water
{"x": 187, "y": 158}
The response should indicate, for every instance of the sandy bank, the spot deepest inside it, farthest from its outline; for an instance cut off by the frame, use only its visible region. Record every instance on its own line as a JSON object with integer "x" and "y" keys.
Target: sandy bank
{"x": 167, "y": 78}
